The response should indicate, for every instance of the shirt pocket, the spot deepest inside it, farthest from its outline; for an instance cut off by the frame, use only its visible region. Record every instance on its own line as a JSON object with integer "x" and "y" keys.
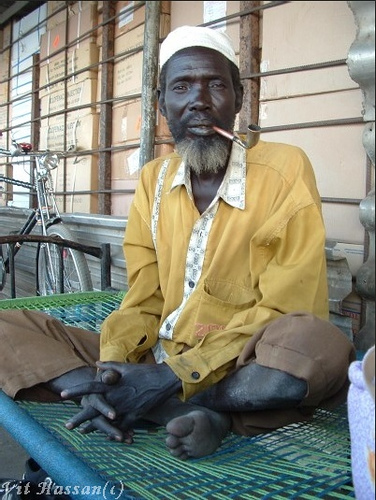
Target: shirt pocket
{"x": 217, "y": 304}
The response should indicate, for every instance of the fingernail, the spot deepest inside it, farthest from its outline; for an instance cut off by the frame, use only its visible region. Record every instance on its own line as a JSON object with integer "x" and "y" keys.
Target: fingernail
{"x": 111, "y": 415}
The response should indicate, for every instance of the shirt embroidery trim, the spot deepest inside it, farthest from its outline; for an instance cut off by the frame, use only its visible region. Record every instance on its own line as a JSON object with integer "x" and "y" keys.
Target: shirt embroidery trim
{"x": 157, "y": 201}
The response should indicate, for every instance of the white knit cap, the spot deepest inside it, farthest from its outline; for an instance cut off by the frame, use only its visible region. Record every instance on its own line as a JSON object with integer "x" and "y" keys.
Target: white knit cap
{"x": 196, "y": 36}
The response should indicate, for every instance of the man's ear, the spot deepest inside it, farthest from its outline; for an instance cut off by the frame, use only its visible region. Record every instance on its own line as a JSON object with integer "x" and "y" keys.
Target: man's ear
{"x": 161, "y": 103}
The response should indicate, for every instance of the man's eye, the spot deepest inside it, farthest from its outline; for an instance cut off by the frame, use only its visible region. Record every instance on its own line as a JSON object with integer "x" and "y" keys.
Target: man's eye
{"x": 216, "y": 85}
{"x": 180, "y": 88}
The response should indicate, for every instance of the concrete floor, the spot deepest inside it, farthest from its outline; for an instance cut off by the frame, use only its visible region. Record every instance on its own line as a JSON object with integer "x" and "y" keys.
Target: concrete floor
{"x": 12, "y": 457}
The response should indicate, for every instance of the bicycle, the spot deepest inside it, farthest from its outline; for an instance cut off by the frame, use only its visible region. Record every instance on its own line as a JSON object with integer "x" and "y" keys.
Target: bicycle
{"x": 57, "y": 269}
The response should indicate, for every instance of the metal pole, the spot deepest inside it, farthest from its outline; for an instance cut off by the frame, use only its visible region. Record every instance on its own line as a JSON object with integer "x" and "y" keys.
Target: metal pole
{"x": 149, "y": 82}
{"x": 361, "y": 66}
{"x": 105, "y": 118}
{"x": 249, "y": 62}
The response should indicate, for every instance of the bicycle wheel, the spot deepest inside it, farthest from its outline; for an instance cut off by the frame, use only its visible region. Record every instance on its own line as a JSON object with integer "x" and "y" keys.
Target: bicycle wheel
{"x": 76, "y": 274}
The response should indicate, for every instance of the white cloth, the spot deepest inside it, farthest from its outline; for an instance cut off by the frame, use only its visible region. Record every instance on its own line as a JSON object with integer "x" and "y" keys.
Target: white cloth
{"x": 196, "y": 36}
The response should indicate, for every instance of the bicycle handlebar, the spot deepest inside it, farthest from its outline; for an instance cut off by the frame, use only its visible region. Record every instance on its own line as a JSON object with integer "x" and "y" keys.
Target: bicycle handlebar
{"x": 26, "y": 149}
{"x": 47, "y": 159}
{"x": 20, "y": 152}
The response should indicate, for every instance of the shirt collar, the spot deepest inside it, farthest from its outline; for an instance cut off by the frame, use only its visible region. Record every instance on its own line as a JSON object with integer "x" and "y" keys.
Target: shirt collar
{"x": 232, "y": 189}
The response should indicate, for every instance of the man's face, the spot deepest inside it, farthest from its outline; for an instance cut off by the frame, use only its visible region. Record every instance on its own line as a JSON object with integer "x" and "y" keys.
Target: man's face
{"x": 199, "y": 94}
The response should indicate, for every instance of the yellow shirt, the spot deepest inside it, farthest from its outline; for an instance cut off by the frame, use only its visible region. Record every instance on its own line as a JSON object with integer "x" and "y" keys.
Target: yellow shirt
{"x": 201, "y": 285}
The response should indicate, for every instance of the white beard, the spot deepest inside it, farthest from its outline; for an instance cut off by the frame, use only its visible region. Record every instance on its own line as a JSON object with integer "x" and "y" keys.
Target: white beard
{"x": 204, "y": 156}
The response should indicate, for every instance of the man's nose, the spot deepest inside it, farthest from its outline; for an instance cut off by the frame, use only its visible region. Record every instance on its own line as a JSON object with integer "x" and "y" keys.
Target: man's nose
{"x": 200, "y": 98}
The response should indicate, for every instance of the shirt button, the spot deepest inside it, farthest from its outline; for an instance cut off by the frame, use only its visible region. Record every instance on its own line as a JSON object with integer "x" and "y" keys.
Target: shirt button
{"x": 168, "y": 326}
{"x": 195, "y": 375}
{"x": 191, "y": 284}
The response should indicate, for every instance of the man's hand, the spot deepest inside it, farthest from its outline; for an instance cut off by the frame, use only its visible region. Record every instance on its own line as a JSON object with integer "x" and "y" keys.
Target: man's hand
{"x": 139, "y": 388}
{"x": 95, "y": 406}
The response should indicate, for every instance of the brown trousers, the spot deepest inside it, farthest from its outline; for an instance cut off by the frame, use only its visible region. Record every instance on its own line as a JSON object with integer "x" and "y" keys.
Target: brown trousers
{"x": 35, "y": 348}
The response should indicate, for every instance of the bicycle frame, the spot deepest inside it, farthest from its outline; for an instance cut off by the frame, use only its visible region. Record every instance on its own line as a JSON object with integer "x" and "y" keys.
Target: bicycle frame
{"x": 47, "y": 212}
{"x": 58, "y": 270}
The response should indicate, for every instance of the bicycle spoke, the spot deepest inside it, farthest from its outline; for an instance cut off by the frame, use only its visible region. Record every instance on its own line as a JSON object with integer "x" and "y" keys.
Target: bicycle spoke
{"x": 75, "y": 271}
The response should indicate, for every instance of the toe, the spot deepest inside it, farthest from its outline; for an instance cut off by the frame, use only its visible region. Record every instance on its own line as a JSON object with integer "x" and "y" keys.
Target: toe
{"x": 172, "y": 442}
{"x": 179, "y": 453}
{"x": 181, "y": 426}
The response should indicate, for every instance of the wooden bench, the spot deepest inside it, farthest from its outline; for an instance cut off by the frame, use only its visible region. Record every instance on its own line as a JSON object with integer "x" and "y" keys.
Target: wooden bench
{"x": 302, "y": 461}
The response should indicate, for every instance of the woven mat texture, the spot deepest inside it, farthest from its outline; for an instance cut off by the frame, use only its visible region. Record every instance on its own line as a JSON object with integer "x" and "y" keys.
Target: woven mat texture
{"x": 300, "y": 461}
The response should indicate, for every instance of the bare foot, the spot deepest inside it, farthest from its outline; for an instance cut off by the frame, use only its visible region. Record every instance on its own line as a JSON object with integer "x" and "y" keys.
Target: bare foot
{"x": 196, "y": 434}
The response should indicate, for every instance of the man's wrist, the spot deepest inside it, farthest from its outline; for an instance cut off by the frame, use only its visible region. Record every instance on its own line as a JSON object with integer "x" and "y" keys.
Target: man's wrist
{"x": 170, "y": 380}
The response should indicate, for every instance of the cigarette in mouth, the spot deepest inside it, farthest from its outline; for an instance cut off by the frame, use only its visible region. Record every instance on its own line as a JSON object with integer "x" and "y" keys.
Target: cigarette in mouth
{"x": 229, "y": 135}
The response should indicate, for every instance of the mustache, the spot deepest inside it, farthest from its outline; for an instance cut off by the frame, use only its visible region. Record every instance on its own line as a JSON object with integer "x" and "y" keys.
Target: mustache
{"x": 179, "y": 128}
{"x": 197, "y": 118}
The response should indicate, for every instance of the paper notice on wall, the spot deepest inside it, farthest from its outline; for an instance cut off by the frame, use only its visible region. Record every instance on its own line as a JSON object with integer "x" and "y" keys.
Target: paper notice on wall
{"x": 213, "y": 11}
{"x": 126, "y": 15}
{"x": 133, "y": 162}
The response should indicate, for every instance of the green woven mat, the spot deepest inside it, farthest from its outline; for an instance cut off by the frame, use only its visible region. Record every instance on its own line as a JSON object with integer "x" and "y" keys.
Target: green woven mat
{"x": 85, "y": 309}
{"x": 301, "y": 461}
